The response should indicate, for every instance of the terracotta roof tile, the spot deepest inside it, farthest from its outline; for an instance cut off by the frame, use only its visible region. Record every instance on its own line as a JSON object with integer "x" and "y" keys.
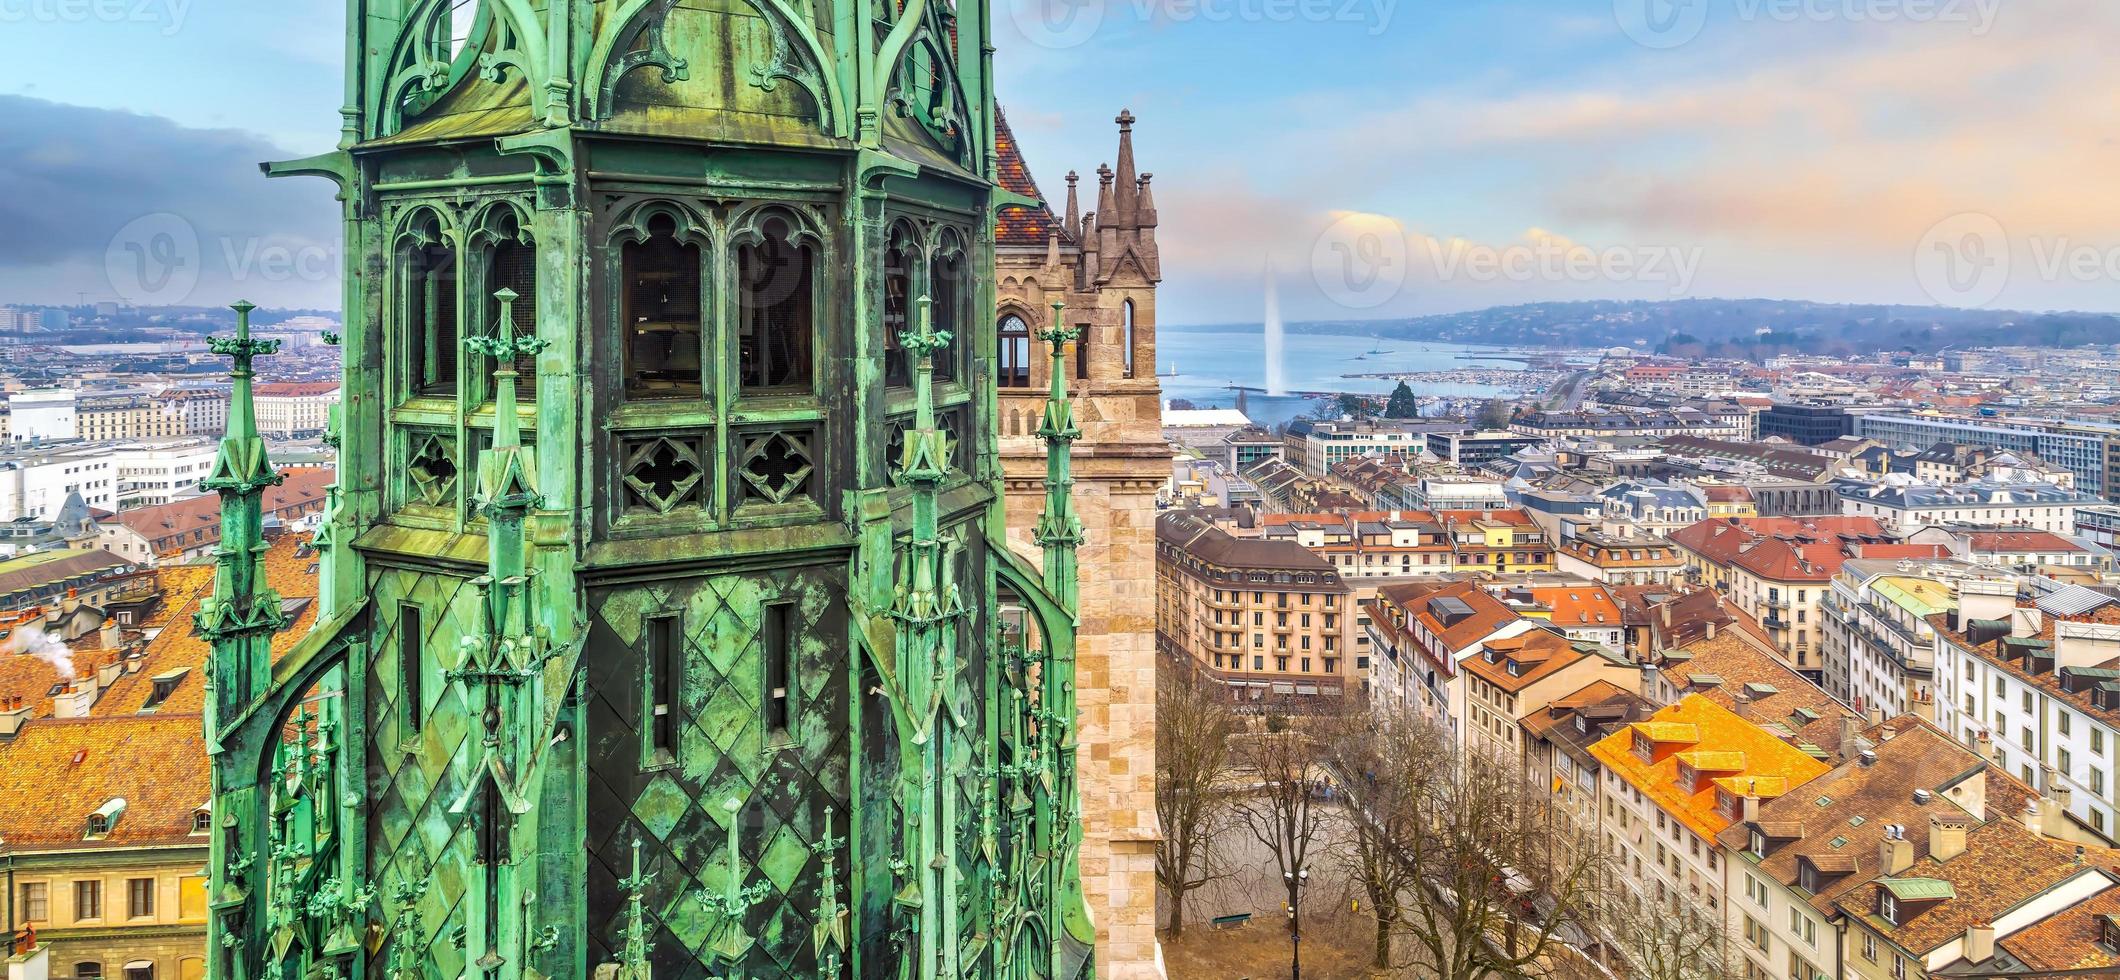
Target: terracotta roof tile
{"x": 1019, "y": 225}
{"x": 1712, "y": 728}
{"x": 1745, "y": 673}
{"x": 71, "y": 768}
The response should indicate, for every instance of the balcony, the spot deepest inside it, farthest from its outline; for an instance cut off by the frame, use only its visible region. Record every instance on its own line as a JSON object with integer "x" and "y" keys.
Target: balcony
{"x": 1774, "y": 621}
{"x": 1773, "y": 603}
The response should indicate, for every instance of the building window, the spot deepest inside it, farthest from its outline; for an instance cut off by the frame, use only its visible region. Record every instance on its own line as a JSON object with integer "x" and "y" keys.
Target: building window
{"x": 780, "y": 667}
{"x": 514, "y": 268}
{"x": 776, "y": 322}
{"x": 88, "y": 900}
{"x": 139, "y": 898}
{"x": 411, "y": 640}
{"x": 1127, "y": 336}
{"x": 664, "y": 654}
{"x": 663, "y": 300}
{"x": 88, "y": 971}
{"x": 431, "y": 313}
{"x": 1014, "y": 367}
{"x": 36, "y": 902}
{"x": 897, "y": 307}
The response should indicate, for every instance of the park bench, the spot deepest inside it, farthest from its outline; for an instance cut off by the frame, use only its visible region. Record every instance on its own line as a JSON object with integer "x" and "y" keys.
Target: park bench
{"x": 1229, "y": 921}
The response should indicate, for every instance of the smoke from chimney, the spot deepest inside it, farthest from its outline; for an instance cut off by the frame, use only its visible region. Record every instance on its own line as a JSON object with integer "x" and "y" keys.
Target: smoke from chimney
{"x": 33, "y": 641}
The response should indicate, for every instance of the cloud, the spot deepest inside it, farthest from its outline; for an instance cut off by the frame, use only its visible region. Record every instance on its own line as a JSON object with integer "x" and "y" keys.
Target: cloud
{"x": 76, "y": 182}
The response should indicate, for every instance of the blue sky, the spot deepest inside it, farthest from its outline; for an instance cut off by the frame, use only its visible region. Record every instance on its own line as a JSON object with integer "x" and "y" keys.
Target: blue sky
{"x": 1382, "y": 157}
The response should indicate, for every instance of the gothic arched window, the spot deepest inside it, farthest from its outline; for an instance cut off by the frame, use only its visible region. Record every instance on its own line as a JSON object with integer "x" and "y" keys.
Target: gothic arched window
{"x": 1127, "y": 337}
{"x": 513, "y": 266}
{"x": 898, "y": 259}
{"x": 430, "y": 312}
{"x": 777, "y": 307}
{"x": 946, "y": 289}
{"x": 662, "y": 314}
{"x": 1013, "y": 367}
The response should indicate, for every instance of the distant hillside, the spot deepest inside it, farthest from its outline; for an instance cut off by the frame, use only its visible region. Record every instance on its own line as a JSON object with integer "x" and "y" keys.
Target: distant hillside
{"x": 1743, "y": 328}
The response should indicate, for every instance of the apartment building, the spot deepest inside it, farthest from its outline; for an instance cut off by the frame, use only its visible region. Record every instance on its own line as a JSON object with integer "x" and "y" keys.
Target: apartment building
{"x": 1270, "y": 619}
{"x": 202, "y": 410}
{"x": 105, "y": 837}
{"x": 2079, "y": 448}
{"x": 1315, "y": 446}
{"x": 36, "y": 480}
{"x": 1907, "y": 507}
{"x": 1601, "y": 557}
{"x": 1673, "y": 783}
{"x": 1419, "y": 635}
{"x": 190, "y": 528}
{"x": 1581, "y": 611}
{"x": 1498, "y": 542}
{"x": 2036, "y": 689}
{"x": 296, "y": 408}
{"x": 42, "y": 414}
{"x": 1913, "y": 796}
{"x": 1879, "y": 647}
{"x": 105, "y": 416}
{"x": 1557, "y": 743}
{"x": 1943, "y": 913}
{"x": 1778, "y": 571}
{"x": 1515, "y": 678}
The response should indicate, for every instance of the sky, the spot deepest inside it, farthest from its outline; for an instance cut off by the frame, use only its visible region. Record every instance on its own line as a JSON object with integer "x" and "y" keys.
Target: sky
{"x": 1375, "y": 158}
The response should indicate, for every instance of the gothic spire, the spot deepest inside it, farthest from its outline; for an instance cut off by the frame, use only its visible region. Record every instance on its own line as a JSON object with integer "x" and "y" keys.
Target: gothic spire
{"x": 243, "y": 613}
{"x": 1074, "y": 211}
{"x": 1059, "y": 531}
{"x": 1127, "y": 190}
{"x": 1145, "y": 216}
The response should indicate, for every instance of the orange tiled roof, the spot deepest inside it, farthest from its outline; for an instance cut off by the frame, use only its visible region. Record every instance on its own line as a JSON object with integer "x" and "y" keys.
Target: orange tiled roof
{"x": 1538, "y": 654}
{"x": 1018, "y": 225}
{"x": 196, "y": 521}
{"x": 289, "y": 570}
{"x": 1744, "y": 673}
{"x": 2070, "y": 939}
{"x": 294, "y": 389}
{"x": 1578, "y": 605}
{"x": 1715, "y": 729}
{"x": 69, "y": 769}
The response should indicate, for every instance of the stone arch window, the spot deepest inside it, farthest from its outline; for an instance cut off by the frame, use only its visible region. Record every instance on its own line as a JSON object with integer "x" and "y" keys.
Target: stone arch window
{"x": 1127, "y": 337}
{"x": 511, "y": 263}
{"x": 900, "y": 255}
{"x": 776, "y": 306}
{"x": 428, "y": 268}
{"x": 662, "y": 303}
{"x": 1013, "y": 359}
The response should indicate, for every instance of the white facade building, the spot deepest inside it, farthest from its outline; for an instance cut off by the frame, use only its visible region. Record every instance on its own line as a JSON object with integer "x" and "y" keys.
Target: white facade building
{"x": 45, "y": 414}
{"x": 36, "y": 484}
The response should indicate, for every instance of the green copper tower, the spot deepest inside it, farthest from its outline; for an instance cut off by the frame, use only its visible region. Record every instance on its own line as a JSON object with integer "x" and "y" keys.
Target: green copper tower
{"x": 666, "y": 626}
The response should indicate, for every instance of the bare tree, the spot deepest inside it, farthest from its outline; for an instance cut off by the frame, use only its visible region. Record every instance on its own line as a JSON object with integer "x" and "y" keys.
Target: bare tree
{"x": 1501, "y": 892}
{"x": 1667, "y": 941}
{"x": 1284, "y": 808}
{"x": 1379, "y": 762}
{"x": 1194, "y": 727}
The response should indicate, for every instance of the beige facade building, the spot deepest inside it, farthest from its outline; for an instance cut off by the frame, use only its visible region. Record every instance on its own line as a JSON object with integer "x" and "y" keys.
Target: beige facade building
{"x": 295, "y": 408}
{"x": 1270, "y": 619}
{"x": 1104, "y": 267}
{"x": 105, "y": 837}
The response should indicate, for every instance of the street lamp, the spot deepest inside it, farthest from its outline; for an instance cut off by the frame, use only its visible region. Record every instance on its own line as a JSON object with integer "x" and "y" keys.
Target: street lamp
{"x": 1296, "y": 881}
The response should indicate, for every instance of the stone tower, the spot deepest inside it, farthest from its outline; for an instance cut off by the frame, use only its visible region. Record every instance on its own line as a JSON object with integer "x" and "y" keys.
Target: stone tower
{"x": 1104, "y": 268}
{"x": 667, "y": 627}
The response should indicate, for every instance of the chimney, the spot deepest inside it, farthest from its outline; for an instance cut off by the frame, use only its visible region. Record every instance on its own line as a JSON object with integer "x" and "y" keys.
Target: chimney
{"x": 1751, "y": 810}
{"x": 33, "y": 963}
{"x": 1648, "y": 690}
{"x": 14, "y": 713}
{"x": 1895, "y": 854}
{"x": 1847, "y": 737}
{"x": 1868, "y": 757}
{"x": 1946, "y": 837}
{"x": 2034, "y": 818}
{"x": 1979, "y": 943}
{"x": 1711, "y": 629}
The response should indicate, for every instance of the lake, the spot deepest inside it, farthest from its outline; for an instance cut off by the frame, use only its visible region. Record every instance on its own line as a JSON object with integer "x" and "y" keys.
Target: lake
{"x": 1210, "y": 360}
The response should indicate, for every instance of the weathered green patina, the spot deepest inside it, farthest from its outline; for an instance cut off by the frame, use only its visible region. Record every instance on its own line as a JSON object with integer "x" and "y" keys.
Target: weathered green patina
{"x": 666, "y": 625}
